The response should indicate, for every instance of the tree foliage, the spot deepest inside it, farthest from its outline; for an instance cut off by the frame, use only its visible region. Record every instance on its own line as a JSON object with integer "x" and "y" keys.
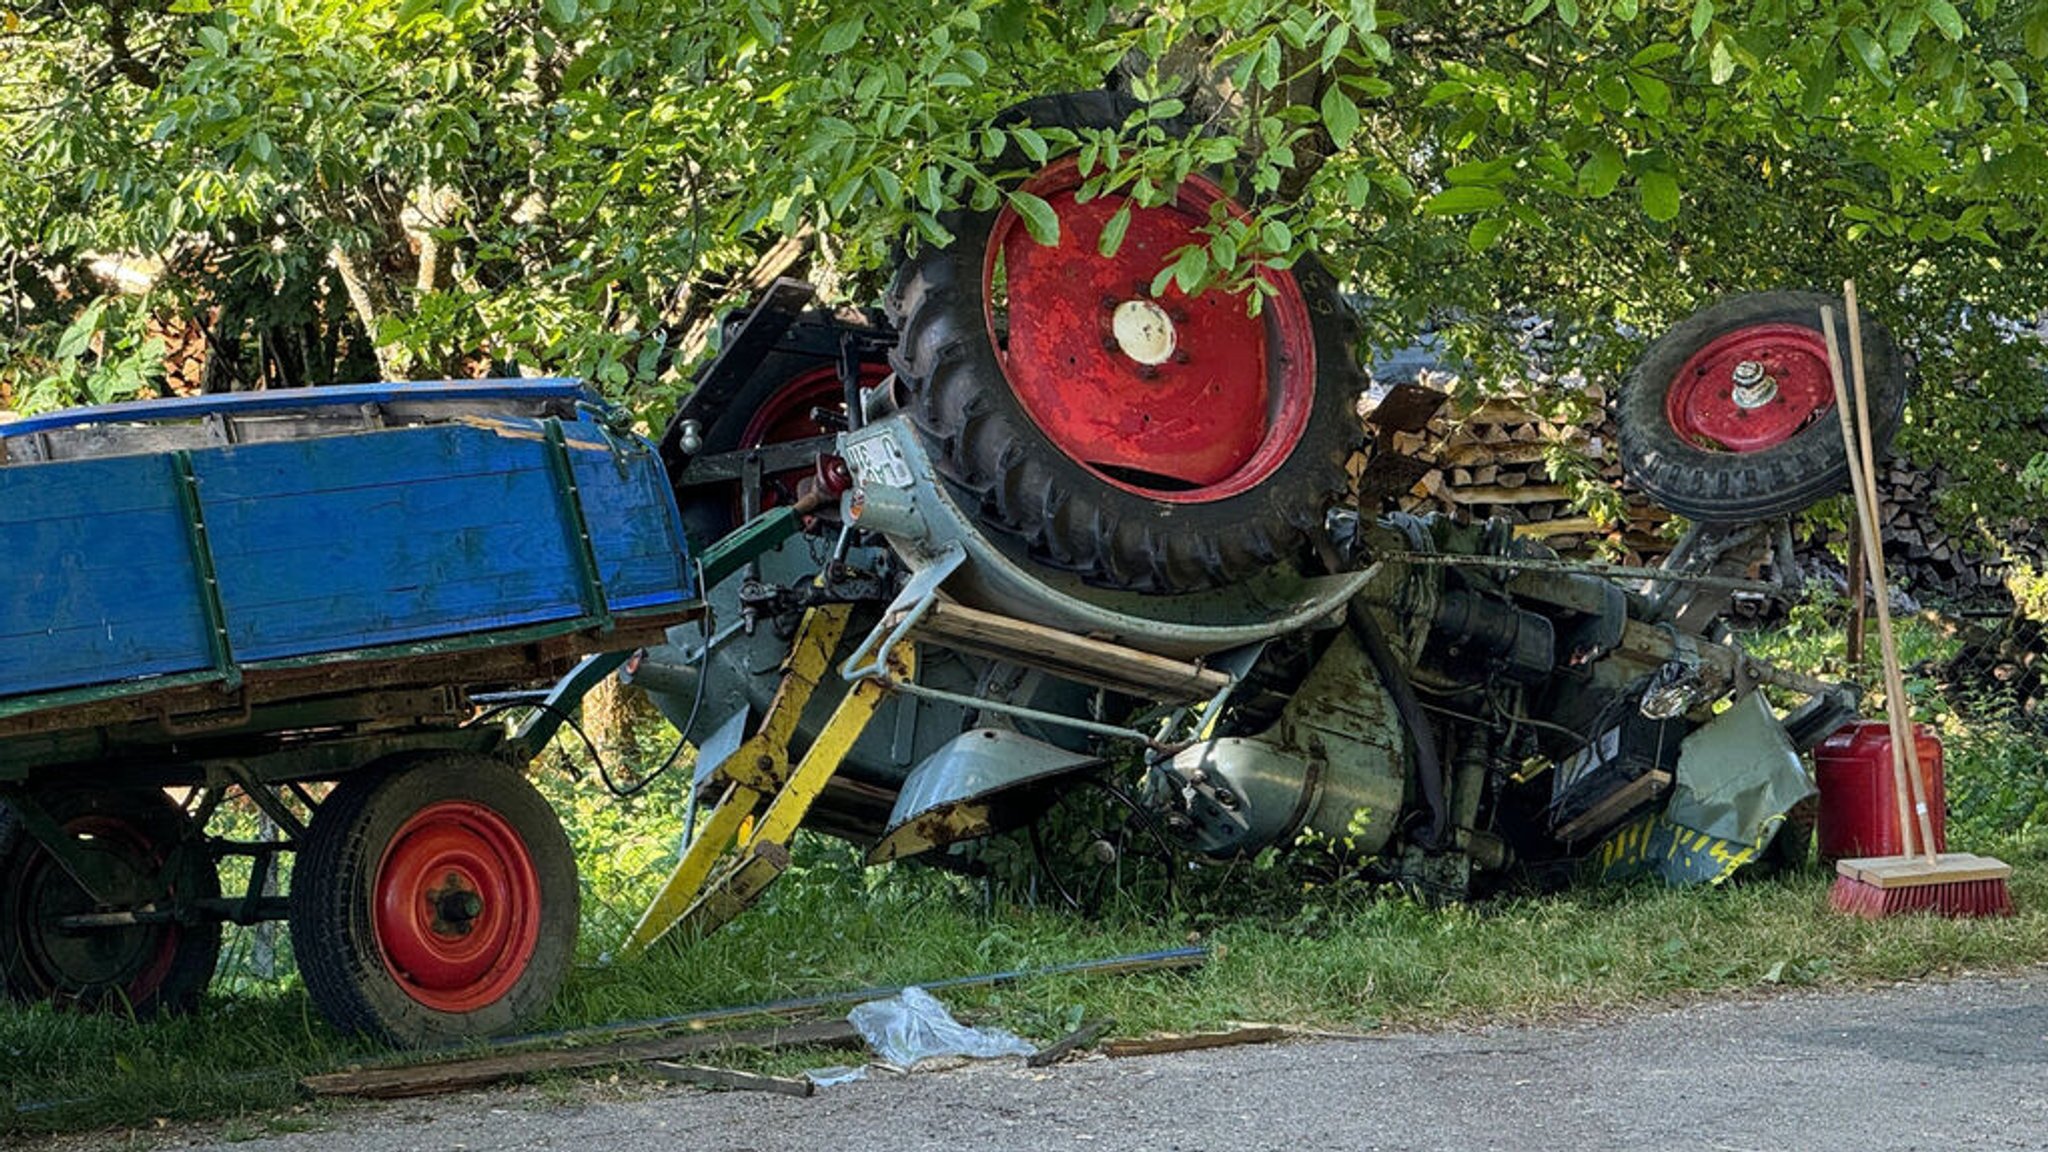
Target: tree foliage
{"x": 555, "y": 187}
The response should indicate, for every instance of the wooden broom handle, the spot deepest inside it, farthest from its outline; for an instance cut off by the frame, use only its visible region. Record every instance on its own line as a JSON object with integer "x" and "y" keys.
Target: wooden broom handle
{"x": 1866, "y": 515}
{"x": 1896, "y": 686}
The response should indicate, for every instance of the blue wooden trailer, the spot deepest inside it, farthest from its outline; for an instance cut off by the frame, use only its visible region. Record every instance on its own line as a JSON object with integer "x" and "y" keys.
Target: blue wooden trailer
{"x": 294, "y": 597}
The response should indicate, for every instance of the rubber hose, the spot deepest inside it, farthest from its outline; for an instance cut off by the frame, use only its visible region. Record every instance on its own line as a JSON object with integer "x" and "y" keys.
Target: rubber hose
{"x": 1428, "y": 764}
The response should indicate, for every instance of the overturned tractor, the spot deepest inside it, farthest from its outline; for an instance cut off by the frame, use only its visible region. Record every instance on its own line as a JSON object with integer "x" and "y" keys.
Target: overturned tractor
{"x": 1049, "y": 531}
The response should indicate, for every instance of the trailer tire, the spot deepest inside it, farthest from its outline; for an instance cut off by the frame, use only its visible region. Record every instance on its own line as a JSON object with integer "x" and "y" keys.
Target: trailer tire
{"x": 143, "y": 969}
{"x": 1691, "y": 446}
{"x": 434, "y": 903}
{"x": 1153, "y": 443}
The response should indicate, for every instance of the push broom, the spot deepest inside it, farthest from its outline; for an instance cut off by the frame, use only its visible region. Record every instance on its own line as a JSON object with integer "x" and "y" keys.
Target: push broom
{"x": 1954, "y": 884}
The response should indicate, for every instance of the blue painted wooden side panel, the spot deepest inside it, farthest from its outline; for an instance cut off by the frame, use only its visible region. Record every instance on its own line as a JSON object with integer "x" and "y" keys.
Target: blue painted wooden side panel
{"x": 99, "y": 582}
{"x": 324, "y": 545}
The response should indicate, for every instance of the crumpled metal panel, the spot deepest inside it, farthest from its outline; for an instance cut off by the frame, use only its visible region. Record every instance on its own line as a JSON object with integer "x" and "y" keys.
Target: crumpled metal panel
{"x": 948, "y": 798}
{"x": 1737, "y": 774}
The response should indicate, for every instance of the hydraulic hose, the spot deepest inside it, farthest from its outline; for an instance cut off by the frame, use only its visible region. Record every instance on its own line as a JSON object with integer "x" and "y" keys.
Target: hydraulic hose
{"x": 1429, "y": 768}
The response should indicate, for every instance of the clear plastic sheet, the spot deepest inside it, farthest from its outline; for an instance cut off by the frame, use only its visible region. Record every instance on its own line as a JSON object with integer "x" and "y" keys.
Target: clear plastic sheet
{"x": 913, "y": 1026}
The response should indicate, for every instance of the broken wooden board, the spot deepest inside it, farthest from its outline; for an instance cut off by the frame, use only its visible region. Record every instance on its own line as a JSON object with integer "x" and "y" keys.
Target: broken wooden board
{"x": 476, "y": 1072}
{"x": 1195, "y": 1041}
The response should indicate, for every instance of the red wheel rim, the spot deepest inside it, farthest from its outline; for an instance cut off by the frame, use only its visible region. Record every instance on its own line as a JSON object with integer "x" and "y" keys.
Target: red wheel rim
{"x": 786, "y": 416}
{"x": 1751, "y": 389}
{"x": 457, "y": 906}
{"x": 1177, "y": 398}
{"x": 137, "y": 959}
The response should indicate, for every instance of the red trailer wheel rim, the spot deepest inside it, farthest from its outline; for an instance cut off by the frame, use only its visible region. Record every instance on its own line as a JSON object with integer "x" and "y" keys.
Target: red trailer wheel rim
{"x": 139, "y": 959}
{"x": 1179, "y": 399}
{"x": 1751, "y": 389}
{"x": 457, "y": 906}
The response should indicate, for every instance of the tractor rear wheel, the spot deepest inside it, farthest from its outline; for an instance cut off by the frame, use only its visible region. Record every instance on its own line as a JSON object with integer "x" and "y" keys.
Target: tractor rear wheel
{"x": 435, "y": 903}
{"x": 1162, "y": 443}
{"x": 1730, "y": 416}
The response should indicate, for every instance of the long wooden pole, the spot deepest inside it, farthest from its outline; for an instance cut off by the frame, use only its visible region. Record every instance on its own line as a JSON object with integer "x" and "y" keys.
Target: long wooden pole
{"x": 1865, "y": 502}
{"x": 1894, "y": 673}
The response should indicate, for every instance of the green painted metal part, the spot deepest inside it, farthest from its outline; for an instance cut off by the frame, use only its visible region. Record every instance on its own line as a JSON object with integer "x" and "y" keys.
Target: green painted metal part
{"x": 752, "y": 540}
{"x": 1343, "y": 718}
{"x": 1737, "y": 774}
{"x": 590, "y": 582}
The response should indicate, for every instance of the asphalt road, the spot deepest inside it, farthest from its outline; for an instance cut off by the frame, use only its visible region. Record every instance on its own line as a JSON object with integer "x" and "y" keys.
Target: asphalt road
{"x": 1936, "y": 1066}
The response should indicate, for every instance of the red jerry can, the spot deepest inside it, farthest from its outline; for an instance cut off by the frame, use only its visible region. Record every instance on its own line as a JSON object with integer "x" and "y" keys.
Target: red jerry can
{"x": 1858, "y": 814}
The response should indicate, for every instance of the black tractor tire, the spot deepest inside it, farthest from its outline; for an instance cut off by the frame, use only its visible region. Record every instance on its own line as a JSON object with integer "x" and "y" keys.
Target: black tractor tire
{"x": 1017, "y": 481}
{"x": 1716, "y": 486}
{"x": 479, "y": 832}
{"x": 143, "y": 969}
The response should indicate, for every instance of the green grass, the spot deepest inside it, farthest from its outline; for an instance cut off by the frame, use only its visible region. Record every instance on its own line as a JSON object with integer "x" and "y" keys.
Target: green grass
{"x": 1285, "y": 949}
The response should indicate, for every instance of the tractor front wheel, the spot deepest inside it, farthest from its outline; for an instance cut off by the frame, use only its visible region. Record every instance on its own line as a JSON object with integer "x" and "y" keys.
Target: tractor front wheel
{"x": 1158, "y": 442}
{"x": 1730, "y": 416}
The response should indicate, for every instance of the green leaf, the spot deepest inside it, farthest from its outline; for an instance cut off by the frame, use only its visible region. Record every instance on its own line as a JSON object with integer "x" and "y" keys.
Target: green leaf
{"x": 1463, "y": 200}
{"x": 1039, "y": 218}
{"x": 1568, "y": 11}
{"x": 1534, "y": 10}
{"x": 1612, "y": 92}
{"x": 1340, "y": 116}
{"x": 842, "y": 35}
{"x": 1031, "y": 142}
{"x": 1602, "y": 171}
{"x": 562, "y": 12}
{"x": 887, "y": 186}
{"x": 1654, "y": 54}
{"x": 1112, "y": 237}
{"x": 1702, "y": 16}
{"x": 2036, "y": 34}
{"x": 1871, "y": 54}
{"x": 1485, "y": 232}
{"x": 1720, "y": 64}
{"x": 1191, "y": 268}
{"x": 1652, "y": 94}
{"x": 1625, "y": 10}
{"x": 78, "y": 336}
{"x": 1659, "y": 190}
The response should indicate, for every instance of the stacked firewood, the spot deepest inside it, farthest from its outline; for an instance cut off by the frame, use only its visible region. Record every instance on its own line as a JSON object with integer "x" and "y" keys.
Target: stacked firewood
{"x": 1494, "y": 457}
{"x": 184, "y": 353}
{"x": 1923, "y": 556}
{"x": 2002, "y": 673}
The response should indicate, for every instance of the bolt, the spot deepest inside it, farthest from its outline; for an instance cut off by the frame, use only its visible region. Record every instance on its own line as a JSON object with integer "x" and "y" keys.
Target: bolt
{"x": 1147, "y": 372}
{"x": 1180, "y": 355}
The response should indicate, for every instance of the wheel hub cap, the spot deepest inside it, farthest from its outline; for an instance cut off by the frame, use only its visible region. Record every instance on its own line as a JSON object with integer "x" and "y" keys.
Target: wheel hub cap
{"x": 1143, "y": 331}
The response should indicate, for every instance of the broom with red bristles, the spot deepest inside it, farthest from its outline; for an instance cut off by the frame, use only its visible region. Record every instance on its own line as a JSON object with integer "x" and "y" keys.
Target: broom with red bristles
{"x": 1954, "y": 884}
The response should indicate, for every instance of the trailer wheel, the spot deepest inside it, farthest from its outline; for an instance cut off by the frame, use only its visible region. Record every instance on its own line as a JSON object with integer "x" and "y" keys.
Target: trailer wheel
{"x": 140, "y": 836}
{"x": 435, "y": 903}
{"x": 1730, "y": 416}
{"x": 1161, "y": 444}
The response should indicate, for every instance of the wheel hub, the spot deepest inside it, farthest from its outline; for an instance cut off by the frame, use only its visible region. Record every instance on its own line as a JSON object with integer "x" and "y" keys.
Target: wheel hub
{"x": 1143, "y": 331}
{"x": 1754, "y": 386}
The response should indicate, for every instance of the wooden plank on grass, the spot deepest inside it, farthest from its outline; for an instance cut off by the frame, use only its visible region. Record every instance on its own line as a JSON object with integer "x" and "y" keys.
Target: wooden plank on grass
{"x": 476, "y": 1072}
{"x": 1153, "y": 1045}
